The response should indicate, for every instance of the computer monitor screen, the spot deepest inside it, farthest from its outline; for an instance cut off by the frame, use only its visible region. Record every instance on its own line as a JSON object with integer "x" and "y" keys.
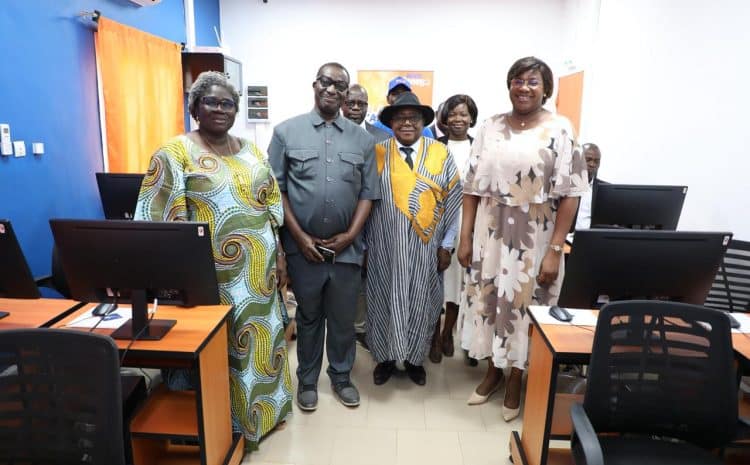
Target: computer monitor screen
{"x": 636, "y": 206}
{"x": 119, "y": 194}
{"x": 16, "y": 280}
{"x": 137, "y": 261}
{"x": 621, "y": 264}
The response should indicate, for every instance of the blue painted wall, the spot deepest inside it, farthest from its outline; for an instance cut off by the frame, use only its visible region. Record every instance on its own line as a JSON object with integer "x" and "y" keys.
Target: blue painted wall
{"x": 48, "y": 93}
{"x": 207, "y": 15}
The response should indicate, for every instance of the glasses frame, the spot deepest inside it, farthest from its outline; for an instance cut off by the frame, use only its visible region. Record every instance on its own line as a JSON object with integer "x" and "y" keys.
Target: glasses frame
{"x": 340, "y": 86}
{"x": 359, "y": 103}
{"x": 224, "y": 103}
{"x": 413, "y": 120}
{"x": 517, "y": 83}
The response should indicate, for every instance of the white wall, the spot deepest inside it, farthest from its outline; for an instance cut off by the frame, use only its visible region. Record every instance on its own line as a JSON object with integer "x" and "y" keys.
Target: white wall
{"x": 664, "y": 79}
{"x": 470, "y": 44}
{"x": 667, "y": 99}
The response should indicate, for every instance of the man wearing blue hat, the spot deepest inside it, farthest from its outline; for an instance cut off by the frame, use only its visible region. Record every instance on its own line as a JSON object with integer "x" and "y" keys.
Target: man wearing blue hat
{"x": 396, "y": 87}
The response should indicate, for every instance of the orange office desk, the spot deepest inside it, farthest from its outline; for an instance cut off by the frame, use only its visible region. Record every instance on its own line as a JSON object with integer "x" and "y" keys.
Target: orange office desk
{"x": 741, "y": 345}
{"x": 35, "y": 313}
{"x": 199, "y": 341}
{"x": 546, "y": 414}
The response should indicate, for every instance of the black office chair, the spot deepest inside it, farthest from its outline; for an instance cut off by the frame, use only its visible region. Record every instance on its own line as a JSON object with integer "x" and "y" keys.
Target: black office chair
{"x": 56, "y": 279}
{"x": 59, "y": 398}
{"x": 133, "y": 386}
{"x": 661, "y": 388}
{"x": 731, "y": 287}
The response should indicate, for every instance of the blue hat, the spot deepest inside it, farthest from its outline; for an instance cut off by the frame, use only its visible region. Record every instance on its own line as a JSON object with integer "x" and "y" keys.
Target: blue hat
{"x": 398, "y": 81}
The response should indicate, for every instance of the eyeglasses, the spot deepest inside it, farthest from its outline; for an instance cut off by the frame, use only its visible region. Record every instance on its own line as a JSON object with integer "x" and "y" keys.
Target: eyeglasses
{"x": 413, "y": 119}
{"x": 530, "y": 83}
{"x": 213, "y": 103}
{"x": 326, "y": 82}
{"x": 356, "y": 103}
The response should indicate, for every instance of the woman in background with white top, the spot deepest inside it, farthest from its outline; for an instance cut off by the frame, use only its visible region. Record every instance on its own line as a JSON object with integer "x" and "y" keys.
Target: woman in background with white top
{"x": 457, "y": 115}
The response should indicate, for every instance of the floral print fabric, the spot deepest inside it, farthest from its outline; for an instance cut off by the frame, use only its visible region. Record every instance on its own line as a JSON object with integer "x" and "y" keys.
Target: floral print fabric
{"x": 519, "y": 177}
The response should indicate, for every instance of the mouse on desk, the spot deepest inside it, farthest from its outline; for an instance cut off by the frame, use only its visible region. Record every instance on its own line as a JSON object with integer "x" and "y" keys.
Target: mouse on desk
{"x": 104, "y": 309}
{"x": 560, "y": 313}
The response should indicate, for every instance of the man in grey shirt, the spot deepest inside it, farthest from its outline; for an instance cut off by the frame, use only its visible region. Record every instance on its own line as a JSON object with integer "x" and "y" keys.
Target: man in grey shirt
{"x": 326, "y": 170}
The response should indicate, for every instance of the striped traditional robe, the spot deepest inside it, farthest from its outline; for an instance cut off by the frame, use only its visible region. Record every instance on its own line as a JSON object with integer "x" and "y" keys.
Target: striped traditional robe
{"x": 404, "y": 231}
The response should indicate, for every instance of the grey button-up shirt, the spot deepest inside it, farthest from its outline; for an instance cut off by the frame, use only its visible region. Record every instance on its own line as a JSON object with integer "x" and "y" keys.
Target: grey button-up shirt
{"x": 325, "y": 169}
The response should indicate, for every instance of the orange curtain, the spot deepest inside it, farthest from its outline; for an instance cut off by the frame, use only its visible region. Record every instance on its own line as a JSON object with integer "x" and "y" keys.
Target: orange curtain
{"x": 141, "y": 79}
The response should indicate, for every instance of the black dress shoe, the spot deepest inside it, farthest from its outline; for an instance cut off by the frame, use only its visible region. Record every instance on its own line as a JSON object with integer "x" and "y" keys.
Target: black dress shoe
{"x": 383, "y": 372}
{"x": 416, "y": 373}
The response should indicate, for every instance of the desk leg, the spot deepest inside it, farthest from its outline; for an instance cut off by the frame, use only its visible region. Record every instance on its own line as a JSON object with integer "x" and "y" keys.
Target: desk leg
{"x": 537, "y": 413}
{"x": 214, "y": 410}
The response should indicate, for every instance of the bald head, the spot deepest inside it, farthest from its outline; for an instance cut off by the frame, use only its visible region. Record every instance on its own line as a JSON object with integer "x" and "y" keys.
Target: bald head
{"x": 358, "y": 90}
{"x": 355, "y": 104}
{"x": 593, "y": 157}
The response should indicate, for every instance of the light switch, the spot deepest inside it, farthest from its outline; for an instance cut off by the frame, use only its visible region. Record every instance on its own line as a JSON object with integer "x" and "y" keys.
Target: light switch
{"x": 19, "y": 147}
{"x": 6, "y": 147}
{"x": 37, "y": 148}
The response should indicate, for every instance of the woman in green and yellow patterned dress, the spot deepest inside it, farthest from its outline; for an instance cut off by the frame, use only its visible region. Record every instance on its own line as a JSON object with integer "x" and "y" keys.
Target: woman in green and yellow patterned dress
{"x": 208, "y": 175}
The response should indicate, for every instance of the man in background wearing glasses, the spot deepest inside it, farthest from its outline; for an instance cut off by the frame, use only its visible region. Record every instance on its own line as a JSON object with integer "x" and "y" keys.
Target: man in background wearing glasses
{"x": 355, "y": 109}
{"x": 325, "y": 168}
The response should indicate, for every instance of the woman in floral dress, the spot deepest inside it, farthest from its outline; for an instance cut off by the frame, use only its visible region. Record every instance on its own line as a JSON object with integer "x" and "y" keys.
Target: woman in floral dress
{"x": 521, "y": 193}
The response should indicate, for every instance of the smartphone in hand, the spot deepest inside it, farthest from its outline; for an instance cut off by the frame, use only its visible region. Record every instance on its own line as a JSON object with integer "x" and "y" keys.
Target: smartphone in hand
{"x": 329, "y": 255}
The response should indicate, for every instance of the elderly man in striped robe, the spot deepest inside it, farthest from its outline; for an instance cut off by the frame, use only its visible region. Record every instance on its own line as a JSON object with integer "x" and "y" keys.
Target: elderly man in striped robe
{"x": 410, "y": 238}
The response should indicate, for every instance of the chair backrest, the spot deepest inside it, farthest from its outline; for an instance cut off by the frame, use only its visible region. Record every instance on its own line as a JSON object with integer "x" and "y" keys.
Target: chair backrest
{"x": 665, "y": 369}
{"x": 60, "y": 398}
{"x": 731, "y": 288}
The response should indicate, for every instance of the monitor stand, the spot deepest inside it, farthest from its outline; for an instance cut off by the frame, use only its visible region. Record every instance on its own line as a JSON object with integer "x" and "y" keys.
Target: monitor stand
{"x": 140, "y": 327}
{"x": 4, "y": 314}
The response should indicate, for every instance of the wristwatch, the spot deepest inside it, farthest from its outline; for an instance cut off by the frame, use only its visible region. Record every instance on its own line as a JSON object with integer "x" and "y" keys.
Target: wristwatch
{"x": 558, "y": 249}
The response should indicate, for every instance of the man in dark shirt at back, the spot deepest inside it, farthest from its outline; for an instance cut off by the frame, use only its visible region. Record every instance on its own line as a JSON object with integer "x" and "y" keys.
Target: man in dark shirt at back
{"x": 354, "y": 109}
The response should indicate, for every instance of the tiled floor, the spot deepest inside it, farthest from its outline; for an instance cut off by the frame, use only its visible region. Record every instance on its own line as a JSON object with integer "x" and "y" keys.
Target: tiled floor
{"x": 398, "y": 423}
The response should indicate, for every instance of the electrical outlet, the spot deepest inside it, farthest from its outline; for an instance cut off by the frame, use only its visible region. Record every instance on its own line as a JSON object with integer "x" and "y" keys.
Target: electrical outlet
{"x": 37, "y": 148}
{"x": 19, "y": 147}
{"x": 6, "y": 147}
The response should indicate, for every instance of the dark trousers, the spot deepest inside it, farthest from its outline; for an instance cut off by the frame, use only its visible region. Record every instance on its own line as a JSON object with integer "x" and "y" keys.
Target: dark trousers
{"x": 326, "y": 300}
{"x": 360, "y": 317}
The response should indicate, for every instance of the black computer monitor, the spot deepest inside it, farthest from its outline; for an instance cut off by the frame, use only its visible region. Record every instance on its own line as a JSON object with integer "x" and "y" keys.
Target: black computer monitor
{"x": 636, "y": 206}
{"x": 119, "y": 194}
{"x": 137, "y": 261}
{"x": 627, "y": 264}
{"x": 16, "y": 280}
